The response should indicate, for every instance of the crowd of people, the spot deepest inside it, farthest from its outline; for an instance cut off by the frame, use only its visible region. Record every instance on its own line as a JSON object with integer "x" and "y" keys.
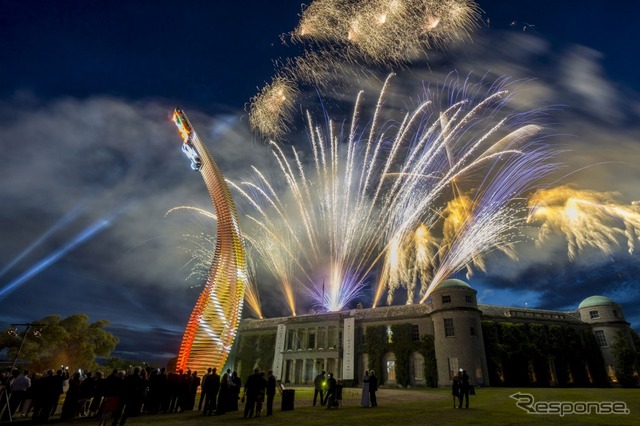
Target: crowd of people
{"x": 35, "y": 394}
{"x": 123, "y": 394}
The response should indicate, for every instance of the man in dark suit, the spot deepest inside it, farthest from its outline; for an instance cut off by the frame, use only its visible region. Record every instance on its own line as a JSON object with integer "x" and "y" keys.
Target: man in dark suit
{"x": 373, "y": 387}
{"x": 271, "y": 391}
{"x": 211, "y": 387}
{"x": 331, "y": 392}
{"x": 318, "y": 384}
{"x": 464, "y": 389}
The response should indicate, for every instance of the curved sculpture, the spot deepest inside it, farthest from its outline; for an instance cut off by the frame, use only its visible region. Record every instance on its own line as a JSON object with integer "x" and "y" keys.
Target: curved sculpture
{"x": 214, "y": 320}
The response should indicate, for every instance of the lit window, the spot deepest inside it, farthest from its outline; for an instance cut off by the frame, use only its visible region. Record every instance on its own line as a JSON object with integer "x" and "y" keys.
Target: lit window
{"x": 418, "y": 368}
{"x": 453, "y": 366}
{"x": 594, "y": 314}
{"x": 446, "y": 299}
{"x": 391, "y": 371}
{"x": 448, "y": 327}
{"x": 611, "y": 372}
{"x": 600, "y": 338}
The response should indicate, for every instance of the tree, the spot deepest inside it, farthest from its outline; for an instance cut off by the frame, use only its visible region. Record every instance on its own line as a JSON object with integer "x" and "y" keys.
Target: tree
{"x": 119, "y": 364}
{"x": 72, "y": 342}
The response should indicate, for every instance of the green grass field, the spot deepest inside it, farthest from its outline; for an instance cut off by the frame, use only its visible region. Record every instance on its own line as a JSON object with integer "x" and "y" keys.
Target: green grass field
{"x": 400, "y": 407}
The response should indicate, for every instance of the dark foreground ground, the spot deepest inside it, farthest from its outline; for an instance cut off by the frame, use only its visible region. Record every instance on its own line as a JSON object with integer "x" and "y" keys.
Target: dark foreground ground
{"x": 404, "y": 407}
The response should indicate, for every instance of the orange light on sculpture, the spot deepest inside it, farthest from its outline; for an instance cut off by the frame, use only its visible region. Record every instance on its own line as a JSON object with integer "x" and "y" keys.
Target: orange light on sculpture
{"x": 214, "y": 320}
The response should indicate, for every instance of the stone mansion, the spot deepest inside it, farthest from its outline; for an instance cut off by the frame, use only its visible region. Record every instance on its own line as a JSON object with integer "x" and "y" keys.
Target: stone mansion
{"x": 334, "y": 341}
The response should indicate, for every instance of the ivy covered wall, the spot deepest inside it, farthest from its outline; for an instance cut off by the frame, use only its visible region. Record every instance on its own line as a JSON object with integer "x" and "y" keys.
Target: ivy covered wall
{"x": 254, "y": 351}
{"x": 526, "y": 354}
{"x": 377, "y": 344}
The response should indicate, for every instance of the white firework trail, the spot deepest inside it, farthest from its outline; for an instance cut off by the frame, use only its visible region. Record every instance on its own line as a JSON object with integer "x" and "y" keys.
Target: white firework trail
{"x": 368, "y": 189}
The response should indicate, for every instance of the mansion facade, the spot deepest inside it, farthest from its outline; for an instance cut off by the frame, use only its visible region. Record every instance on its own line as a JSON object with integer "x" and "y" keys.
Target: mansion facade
{"x": 298, "y": 348}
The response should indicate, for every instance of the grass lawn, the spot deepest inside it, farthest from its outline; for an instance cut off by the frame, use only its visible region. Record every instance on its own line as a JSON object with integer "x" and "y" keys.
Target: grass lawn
{"x": 400, "y": 407}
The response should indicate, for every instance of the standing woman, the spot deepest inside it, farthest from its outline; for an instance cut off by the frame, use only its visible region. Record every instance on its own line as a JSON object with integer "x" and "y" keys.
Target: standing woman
{"x": 455, "y": 390}
{"x": 365, "y": 399}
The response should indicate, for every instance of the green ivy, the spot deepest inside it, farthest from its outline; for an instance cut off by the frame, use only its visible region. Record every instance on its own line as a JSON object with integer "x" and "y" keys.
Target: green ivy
{"x": 493, "y": 350}
{"x": 402, "y": 346}
{"x": 519, "y": 354}
{"x": 267, "y": 347}
{"x": 247, "y": 355}
{"x": 625, "y": 356}
{"x": 375, "y": 347}
{"x": 427, "y": 349}
{"x": 594, "y": 359}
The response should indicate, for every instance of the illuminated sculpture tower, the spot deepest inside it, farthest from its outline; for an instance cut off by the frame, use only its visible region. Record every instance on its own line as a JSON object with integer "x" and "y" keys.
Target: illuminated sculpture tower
{"x": 214, "y": 321}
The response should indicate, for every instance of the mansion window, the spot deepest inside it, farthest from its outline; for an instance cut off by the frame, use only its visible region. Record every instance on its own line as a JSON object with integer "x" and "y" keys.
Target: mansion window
{"x": 312, "y": 340}
{"x": 594, "y": 314}
{"x": 600, "y": 338}
{"x": 415, "y": 332}
{"x": 448, "y": 327}
{"x": 418, "y": 368}
{"x": 446, "y": 298}
{"x": 468, "y": 299}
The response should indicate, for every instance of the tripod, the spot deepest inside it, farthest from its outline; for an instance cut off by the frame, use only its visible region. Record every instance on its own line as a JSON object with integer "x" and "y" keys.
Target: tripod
{"x": 5, "y": 395}
{"x": 4, "y": 392}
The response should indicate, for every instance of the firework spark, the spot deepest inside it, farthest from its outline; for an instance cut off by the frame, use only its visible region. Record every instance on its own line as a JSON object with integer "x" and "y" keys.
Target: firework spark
{"x": 270, "y": 111}
{"x": 370, "y": 189}
{"x": 586, "y": 219}
{"x": 382, "y": 33}
{"x": 387, "y": 31}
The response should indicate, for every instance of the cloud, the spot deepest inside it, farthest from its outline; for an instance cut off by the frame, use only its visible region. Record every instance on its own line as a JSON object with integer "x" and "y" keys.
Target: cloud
{"x": 591, "y": 122}
{"x": 71, "y": 163}
{"x": 101, "y": 157}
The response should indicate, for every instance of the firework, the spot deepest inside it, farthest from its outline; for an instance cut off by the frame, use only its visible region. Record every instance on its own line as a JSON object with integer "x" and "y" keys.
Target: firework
{"x": 587, "y": 219}
{"x": 347, "y": 37}
{"x": 270, "y": 111}
{"x": 387, "y": 31}
{"x": 370, "y": 189}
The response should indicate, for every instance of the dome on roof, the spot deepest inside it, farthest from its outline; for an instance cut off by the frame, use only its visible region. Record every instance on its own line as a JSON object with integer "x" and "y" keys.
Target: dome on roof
{"x": 451, "y": 283}
{"x": 595, "y": 301}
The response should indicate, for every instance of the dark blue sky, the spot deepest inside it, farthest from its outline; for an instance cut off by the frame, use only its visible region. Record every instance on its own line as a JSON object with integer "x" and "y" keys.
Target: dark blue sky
{"x": 211, "y": 54}
{"x": 85, "y": 91}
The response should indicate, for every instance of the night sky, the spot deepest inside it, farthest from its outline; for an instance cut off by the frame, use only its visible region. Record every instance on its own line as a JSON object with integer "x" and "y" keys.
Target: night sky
{"x": 91, "y": 162}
